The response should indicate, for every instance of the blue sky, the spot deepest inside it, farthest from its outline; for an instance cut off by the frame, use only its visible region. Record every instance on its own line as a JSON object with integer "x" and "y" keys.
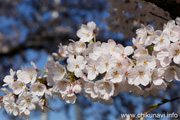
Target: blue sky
{"x": 26, "y": 10}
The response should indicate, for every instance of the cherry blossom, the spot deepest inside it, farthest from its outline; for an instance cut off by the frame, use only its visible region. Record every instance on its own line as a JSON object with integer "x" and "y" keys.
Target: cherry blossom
{"x": 104, "y": 88}
{"x": 38, "y": 89}
{"x": 77, "y": 88}
{"x": 18, "y": 87}
{"x": 9, "y": 79}
{"x": 172, "y": 73}
{"x": 97, "y": 70}
{"x": 76, "y": 65}
{"x": 161, "y": 40}
{"x": 62, "y": 52}
{"x": 175, "y": 51}
{"x": 12, "y": 108}
{"x": 87, "y": 32}
{"x": 92, "y": 69}
{"x": 27, "y": 75}
{"x": 105, "y": 64}
{"x": 139, "y": 75}
{"x": 116, "y": 75}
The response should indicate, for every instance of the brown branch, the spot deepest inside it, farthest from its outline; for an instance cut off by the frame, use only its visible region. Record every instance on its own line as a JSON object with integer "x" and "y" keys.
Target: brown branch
{"x": 154, "y": 107}
{"x": 158, "y": 16}
{"x": 171, "y": 6}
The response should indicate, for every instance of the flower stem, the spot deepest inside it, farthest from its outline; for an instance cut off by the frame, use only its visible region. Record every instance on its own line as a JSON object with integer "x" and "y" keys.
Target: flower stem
{"x": 94, "y": 38}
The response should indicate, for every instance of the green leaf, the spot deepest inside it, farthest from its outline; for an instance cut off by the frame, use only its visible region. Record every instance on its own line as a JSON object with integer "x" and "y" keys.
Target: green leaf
{"x": 152, "y": 106}
{"x": 134, "y": 61}
{"x": 91, "y": 41}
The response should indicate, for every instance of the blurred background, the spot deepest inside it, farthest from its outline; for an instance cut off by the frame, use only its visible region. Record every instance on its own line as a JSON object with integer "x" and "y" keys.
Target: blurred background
{"x": 30, "y": 30}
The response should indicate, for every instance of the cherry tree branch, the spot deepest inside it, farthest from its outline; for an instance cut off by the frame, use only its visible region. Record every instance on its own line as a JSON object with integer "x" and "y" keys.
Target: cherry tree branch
{"x": 154, "y": 107}
{"x": 158, "y": 16}
{"x": 171, "y": 6}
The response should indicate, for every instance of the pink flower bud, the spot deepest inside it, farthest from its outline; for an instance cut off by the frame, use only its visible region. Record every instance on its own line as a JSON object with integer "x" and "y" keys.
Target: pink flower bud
{"x": 77, "y": 88}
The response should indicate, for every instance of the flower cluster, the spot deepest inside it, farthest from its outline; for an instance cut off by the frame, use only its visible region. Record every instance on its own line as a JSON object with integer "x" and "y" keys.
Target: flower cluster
{"x": 97, "y": 70}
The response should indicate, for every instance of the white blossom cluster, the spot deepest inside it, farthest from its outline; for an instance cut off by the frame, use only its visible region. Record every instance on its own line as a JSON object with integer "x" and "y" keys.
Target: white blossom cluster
{"x": 97, "y": 70}
{"x": 127, "y": 15}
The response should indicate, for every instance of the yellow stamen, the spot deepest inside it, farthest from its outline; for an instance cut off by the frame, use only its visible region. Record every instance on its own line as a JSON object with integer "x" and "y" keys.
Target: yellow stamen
{"x": 77, "y": 66}
{"x": 30, "y": 76}
{"x": 153, "y": 76}
{"x": 87, "y": 34}
{"x": 122, "y": 54}
{"x": 93, "y": 68}
{"x": 170, "y": 31}
{"x": 20, "y": 84}
{"x": 61, "y": 71}
{"x": 126, "y": 74}
{"x": 148, "y": 35}
{"x": 27, "y": 101}
{"x": 106, "y": 64}
{"x": 116, "y": 73}
{"x": 145, "y": 62}
{"x": 82, "y": 45}
{"x": 161, "y": 40}
{"x": 106, "y": 84}
{"x": 141, "y": 73}
{"x": 119, "y": 64}
{"x": 63, "y": 82}
{"x": 144, "y": 52}
{"x": 39, "y": 87}
{"x": 112, "y": 48}
{"x": 177, "y": 52}
{"x": 172, "y": 70}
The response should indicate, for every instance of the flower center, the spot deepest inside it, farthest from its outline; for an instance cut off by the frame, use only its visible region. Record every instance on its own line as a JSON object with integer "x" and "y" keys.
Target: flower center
{"x": 153, "y": 76}
{"x": 77, "y": 66}
{"x": 141, "y": 73}
{"x": 177, "y": 52}
{"x": 170, "y": 31}
{"x": 87, "y": 34}
{"x": 119, "y": 64}
{"x": 82, "y": 45}
{"x": 39, "y": 87}
{"x": 144, "y": 52}
{"x": 61, "y": 71}
{"x": 27, "y": 101}
{"x": 93, "y": 68}
{"x": 145, "y": 62}
{"x": 106, "y": 64}
{"x": 148, "y": 35}
{"x": 161, "y": 40}
{"x": 20, "y": 84}
{"x": 122, "y": 54}
{"x": 116, "y": 73}
{"x": 126, "y": 74}
{"x": 30, "y": 76}
{"x": 106, "y": 84}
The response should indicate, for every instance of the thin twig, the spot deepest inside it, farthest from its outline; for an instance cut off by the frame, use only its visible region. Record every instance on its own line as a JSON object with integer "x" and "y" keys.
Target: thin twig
{"x": 155, "y": 106}
{"x": 158, "y": 16}
{"x": 1, "y": 76}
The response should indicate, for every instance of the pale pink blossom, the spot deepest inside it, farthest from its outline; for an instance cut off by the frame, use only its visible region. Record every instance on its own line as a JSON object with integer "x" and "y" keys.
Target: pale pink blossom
{"x": 87, "y": 32}
{"x": 76, "y": 65}
{"x": 9, "y": 79}
{"x": 29, "y": 75}
{"x": 104, "y": 88}
{"x": 38, "y": 89}
{"x": 139, "y": 75}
